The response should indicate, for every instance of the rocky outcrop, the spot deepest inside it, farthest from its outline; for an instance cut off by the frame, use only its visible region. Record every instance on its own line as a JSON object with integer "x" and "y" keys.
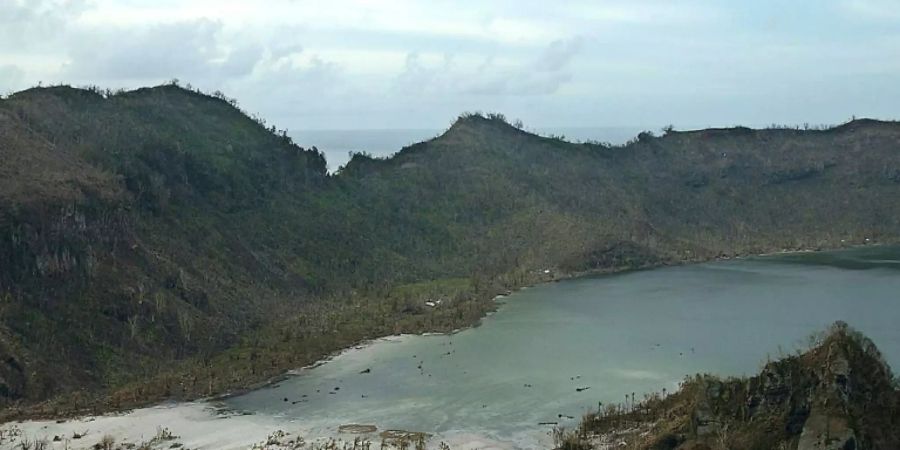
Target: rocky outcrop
{"x": 827, "y": 432}
{"x": 840, "y": 395}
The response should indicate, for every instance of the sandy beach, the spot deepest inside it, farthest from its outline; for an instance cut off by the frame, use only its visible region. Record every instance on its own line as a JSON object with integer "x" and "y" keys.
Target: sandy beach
{"x": 201, "y": 426}
{"x": 211, "y": 425}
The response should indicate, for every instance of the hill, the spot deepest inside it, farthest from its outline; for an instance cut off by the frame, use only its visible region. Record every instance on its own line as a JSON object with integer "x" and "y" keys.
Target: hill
{"x": 160, "y": 243}
{"x": 840, "y": 394}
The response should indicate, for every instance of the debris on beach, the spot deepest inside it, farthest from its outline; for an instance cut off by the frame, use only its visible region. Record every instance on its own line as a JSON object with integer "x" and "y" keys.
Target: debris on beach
{"x": 357, "y": 428}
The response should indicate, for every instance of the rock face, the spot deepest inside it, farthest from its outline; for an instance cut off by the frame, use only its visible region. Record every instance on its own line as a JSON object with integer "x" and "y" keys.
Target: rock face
{"x": 840, "y": 395}
{"x": 828, "y": 425}
{"x": 824, "y": 432}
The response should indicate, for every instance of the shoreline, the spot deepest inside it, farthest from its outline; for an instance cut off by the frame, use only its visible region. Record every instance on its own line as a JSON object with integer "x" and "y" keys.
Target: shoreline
{"x": 36, "y": 412}
{"x": 210, "y": 424}
{"x": 199, "y": 423}
{"x": 362, "y": 345}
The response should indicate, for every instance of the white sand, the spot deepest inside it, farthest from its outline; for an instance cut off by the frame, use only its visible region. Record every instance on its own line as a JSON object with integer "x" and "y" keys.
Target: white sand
{"x": 197, "y": 424}
{"x": 202, "y": 425}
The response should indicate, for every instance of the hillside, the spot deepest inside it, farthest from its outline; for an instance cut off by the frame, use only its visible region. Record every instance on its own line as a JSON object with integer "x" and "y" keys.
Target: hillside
{"x": 160, "y": 243}
{"x": 840, "y": 394}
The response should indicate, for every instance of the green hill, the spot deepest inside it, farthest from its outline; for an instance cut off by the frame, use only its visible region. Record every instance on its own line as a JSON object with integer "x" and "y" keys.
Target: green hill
{"x": 160, "y": 243}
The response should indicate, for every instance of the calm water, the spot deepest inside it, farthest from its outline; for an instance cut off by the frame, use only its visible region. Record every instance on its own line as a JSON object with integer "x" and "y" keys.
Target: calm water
{"x": 338, "y": 144}
{"x": 635, "y": 332}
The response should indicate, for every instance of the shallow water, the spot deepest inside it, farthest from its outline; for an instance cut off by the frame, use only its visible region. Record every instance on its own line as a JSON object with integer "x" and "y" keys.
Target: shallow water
{"x": 617, "y": 334}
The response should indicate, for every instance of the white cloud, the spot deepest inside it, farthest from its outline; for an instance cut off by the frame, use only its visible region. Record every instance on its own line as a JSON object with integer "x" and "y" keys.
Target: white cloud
{"x": 184, "y": 49}
{"x": 29, "y": 22}
{"x": 558, "y": 54}
{"x": 445, "y": 75}
{"x": 652, "y": 12}
{"x": 407, "y": 63}
{"x": 11, "y": 77}
{"x": 881, "y": 10}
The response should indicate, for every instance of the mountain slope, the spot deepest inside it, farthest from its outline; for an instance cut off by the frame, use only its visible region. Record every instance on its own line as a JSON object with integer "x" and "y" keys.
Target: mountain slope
{"x": 147, "y": 229}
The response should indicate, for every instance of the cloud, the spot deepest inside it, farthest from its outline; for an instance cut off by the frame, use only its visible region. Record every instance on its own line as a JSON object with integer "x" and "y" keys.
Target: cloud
{"x": 419, "y": 76}
{"x": 405, "y": 63}
{"x": 879, "y": 10}
{"x": 444, "y": 75}
{"x": 649, "y": 12}
{"x": 316, "y": 73}
{"x": 297, "y": 90}
{"x": 36, "y": 23}
{"x": 558, "y": 54}
{"x": 190, "y": 50}
{"x": 521, "y": 82}
{"x": 543, "y": 75}
{"x": 11, "y": 77}
{"x": 240, "y": 61}
{"x": 280, "y": 51}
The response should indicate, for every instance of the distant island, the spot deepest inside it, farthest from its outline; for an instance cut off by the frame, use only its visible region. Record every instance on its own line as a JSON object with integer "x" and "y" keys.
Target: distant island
{"x": 162, "y": 244}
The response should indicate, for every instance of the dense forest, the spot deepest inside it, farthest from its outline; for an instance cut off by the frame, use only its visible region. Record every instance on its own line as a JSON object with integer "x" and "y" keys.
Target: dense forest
{"x": 160, "y": 243}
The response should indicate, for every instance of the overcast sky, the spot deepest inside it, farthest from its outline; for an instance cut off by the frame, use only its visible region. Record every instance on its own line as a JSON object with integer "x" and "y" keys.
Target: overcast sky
{"x": 417, "y": 64}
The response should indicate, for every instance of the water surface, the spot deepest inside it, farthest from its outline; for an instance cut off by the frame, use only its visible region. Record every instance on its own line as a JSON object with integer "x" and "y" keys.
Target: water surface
{"x": 616, "y": 334}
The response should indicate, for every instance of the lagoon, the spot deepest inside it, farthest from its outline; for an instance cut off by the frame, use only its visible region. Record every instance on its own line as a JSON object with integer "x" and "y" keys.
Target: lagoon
{"x": 548, "y": 355}
{"x": 552, "y": 352}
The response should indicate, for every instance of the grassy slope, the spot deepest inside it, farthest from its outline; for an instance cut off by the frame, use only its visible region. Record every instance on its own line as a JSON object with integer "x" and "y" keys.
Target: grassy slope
{"x": 163, "y": 225}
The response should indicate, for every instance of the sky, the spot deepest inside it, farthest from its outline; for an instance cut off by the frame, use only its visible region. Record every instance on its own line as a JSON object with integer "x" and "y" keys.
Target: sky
{"x": 366, "y": 64}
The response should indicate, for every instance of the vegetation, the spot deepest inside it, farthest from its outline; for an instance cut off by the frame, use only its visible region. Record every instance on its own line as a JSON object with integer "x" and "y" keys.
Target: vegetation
{"x": 839, "y": 394}
{"x": 159, "y": 243}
